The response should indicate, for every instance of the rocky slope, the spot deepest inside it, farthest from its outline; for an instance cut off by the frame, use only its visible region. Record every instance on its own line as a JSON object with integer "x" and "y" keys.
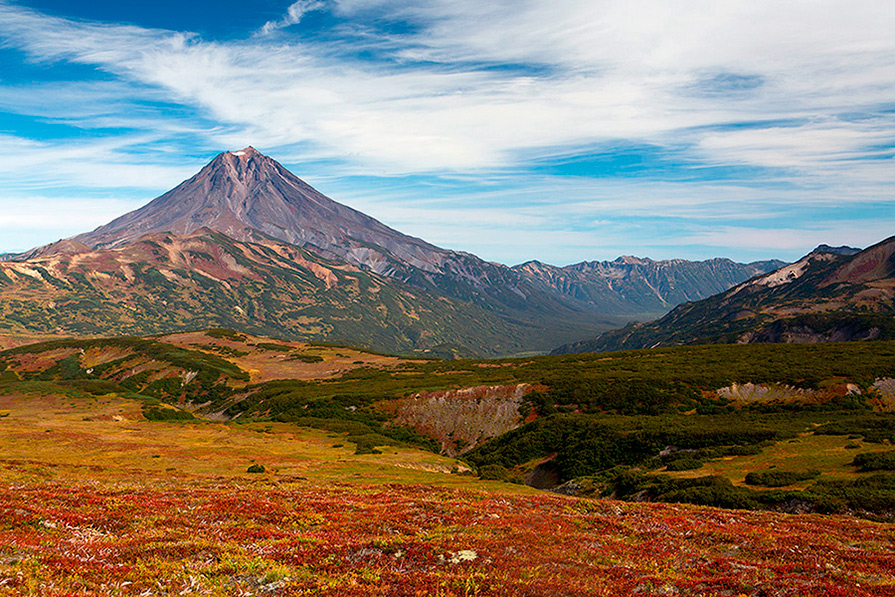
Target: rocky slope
{"x": 245, "y": 192}
{"x": 462, "y": 419}
{"x": 825, "y": 296}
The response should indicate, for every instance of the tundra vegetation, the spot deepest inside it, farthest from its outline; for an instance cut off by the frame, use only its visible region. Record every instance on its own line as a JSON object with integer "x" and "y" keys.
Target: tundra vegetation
{"x": 219, "y": 463}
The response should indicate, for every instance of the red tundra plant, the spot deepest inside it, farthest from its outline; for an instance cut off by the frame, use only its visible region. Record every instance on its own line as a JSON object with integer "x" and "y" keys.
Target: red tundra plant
{"x": 227, "y": 538}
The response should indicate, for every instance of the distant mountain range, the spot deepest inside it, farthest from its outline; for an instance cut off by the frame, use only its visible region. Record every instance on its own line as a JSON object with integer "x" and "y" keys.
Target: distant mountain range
{"x": 247, "y": 244}
{"x": 642, "y": 288}
{"x": 831, "y": 294}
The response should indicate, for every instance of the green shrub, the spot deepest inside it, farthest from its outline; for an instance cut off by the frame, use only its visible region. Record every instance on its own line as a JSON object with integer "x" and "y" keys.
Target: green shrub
{"x": 876, "y": 427}
{"x": 875, "y": 461}
{"x": 306, "y": 358}
{"x": 779, "y": 478}
{"x": 256, "y": 468}
{"x": 94, "y": 387}
{"x": 366, "y": 445}
{"x": 684, "y": 464}
{"x": 717, "y": 494}
{"x": 224, "y": 333}
{"x": 274, "y": 347}
{"x": 494, "y": 472}
{"x": 873, "y": 493}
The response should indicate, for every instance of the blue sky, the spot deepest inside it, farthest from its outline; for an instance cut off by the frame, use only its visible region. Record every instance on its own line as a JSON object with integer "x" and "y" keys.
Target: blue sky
{"x": 559, "y": 130}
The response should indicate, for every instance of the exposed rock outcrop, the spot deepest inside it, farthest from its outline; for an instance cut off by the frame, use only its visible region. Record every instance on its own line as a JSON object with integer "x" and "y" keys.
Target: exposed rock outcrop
{"x": 462, "y": 419}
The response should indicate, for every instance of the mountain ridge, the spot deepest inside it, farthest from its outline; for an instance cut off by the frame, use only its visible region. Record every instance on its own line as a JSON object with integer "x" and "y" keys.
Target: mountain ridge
{"x": 165, "y": 283}
{"x": 643, "y": 287}
{"x": 828, "y": 295}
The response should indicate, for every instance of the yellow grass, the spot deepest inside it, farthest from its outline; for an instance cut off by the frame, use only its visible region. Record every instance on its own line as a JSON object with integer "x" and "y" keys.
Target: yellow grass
{"x": 266, "y": 365}
{"x": 55, "y": 436}
{"x": 827, "y": 453}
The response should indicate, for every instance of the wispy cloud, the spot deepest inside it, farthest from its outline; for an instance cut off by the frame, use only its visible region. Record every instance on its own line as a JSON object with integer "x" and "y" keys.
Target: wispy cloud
{"x": 98, "y": 164}
{"x": 609, "y": 71}
{"x": 293, "y": 15}
{"x": 795, "y": 95}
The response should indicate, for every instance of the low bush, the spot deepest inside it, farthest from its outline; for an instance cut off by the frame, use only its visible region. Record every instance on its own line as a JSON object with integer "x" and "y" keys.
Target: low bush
{"x": 225, "y": 333}
{"x": 366, "y": 444}
{"x": 875, "y": 461}
{"x": 873, "y": 494}
{"x": 94, "y": 387}
{"x": 779, "y": 478}
{"x": 684, "y": 464}
{"x": 274, "y": 347}
{"x": 306, "y": 358}
{"x": 494, "y": 472}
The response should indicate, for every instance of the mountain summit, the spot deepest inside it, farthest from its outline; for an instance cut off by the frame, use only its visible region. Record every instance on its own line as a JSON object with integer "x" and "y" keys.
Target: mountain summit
{"x": 250, "y": 199}
{"x": 244, "y": 192}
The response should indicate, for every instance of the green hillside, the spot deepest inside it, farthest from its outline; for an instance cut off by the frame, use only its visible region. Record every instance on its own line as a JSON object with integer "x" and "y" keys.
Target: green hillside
{"x": 167, "y": 283}
{"x": 674, "y": 424}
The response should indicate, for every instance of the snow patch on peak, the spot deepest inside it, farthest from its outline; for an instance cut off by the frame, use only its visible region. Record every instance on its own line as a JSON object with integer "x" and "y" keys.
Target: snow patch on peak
{"x": 246, "y": 151}
{"x": 788, "y": 273}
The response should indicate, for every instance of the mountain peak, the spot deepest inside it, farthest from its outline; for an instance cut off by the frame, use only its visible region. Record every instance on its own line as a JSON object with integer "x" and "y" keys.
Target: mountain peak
{"x": 842, "y": 250}
{"x": 248, "y": 152}
{"x": 240, "y": 193}
{"x": 632, "y": 260}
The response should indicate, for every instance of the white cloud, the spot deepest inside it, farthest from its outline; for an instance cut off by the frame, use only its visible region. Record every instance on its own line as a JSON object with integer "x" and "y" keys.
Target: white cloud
{"x": 293, "y": 15}
{"x": 480, "y": 88}
{"x": 100, "y": 164}
{"x": 594, "y": 71}
{"x": 815, "y": 145}
{"x": 795, "y": 242}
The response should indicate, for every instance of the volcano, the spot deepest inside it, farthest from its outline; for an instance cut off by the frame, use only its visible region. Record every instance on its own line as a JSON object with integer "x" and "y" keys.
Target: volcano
{"x": 245, "y": 192}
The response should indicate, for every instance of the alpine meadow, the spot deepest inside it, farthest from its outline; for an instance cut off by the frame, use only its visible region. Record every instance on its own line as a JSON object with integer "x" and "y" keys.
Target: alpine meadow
{"x": 414, "y": 346}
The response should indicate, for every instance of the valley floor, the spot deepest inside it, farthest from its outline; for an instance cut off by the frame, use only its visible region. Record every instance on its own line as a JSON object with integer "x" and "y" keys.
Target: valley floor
{"x": 96, "y": 501}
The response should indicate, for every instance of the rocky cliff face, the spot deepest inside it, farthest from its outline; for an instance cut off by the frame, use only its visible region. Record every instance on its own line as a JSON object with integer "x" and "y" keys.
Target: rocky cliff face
{"x": 463, "y": 419}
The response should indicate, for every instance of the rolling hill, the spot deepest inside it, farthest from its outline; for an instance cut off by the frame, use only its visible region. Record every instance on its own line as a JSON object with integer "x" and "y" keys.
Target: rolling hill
{"x": 681, "y": 424}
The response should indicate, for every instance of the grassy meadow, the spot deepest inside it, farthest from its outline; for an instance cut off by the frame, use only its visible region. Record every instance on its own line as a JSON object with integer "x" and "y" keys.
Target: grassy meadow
{"x": 102, "y": 495}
